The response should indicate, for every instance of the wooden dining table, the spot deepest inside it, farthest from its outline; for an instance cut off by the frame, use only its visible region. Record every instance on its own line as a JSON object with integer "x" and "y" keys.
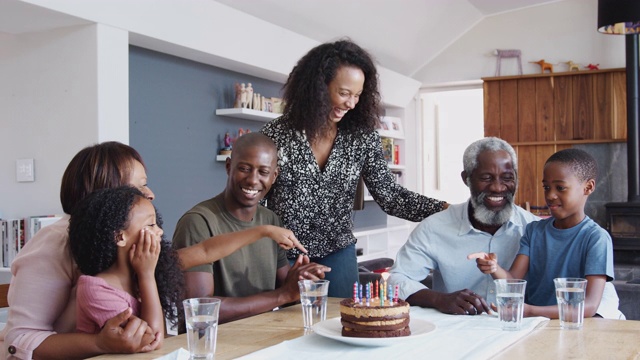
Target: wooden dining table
{"x": 598, "y": 339}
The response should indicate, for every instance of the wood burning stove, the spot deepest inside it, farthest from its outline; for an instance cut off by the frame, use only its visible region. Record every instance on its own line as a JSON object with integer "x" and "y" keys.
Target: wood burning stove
{"x": 623, "y": 223}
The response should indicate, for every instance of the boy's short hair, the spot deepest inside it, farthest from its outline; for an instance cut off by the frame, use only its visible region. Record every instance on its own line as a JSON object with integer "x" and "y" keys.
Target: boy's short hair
{"x": 583, "y": 165}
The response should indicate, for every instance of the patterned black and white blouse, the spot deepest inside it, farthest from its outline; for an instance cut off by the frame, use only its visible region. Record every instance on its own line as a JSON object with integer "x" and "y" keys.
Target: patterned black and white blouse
{"x": 316, "y": 205}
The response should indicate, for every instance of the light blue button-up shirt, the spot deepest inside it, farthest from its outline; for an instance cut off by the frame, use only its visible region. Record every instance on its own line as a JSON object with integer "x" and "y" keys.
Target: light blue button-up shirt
{"x": 442, "y": 242}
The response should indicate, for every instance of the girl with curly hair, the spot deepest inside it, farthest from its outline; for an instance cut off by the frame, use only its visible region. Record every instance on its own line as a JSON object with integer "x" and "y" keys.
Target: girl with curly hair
{"x": 116, "y": 241}
{"x": 326, "y": 142}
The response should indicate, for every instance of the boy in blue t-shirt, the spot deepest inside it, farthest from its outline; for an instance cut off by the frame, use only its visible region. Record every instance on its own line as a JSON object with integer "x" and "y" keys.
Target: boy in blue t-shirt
{"x": 568, "y": 244}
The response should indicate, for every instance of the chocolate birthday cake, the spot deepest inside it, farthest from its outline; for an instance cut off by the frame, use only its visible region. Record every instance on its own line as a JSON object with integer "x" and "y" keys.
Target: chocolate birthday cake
{"x": 376, "y": 320}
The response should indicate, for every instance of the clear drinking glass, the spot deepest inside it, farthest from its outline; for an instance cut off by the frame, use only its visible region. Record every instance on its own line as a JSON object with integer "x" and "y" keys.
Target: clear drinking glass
{"x": 510, "y": 299}
{"x": 313, "y": 297}
{"x": 570, "y": 295}
{"x": 201, "y": 318}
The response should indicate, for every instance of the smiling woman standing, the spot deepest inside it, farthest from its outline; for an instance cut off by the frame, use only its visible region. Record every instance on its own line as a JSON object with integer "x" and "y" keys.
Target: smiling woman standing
{"x": 326, "y": 141}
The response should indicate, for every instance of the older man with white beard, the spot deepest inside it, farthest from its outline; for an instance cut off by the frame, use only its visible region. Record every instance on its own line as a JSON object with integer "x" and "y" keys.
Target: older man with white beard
{"x": 489, "y": 222}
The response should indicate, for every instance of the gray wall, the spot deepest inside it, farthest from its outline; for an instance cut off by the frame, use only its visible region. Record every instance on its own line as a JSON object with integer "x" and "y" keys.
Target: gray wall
{"x": 172, "y": 123}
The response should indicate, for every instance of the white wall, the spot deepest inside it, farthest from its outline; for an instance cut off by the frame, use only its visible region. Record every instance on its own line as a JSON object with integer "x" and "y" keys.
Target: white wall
{"x": 556, "y": 32}
{"x": 48, "y": 112}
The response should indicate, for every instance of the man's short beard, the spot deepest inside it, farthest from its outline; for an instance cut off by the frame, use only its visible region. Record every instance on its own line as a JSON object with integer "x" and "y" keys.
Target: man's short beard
{"x": 489, "y": 217}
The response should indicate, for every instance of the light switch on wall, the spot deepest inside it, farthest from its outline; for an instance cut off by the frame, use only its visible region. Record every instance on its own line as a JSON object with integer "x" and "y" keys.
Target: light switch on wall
{"x": 24, "y": 170}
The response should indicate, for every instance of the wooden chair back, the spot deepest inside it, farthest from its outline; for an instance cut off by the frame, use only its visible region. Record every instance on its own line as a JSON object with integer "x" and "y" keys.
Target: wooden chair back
{"x": 4, "y": 290}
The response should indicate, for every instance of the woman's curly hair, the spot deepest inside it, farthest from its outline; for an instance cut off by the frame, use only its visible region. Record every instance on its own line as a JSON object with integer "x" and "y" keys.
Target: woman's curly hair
{"x": 93, "y": 227}
{"x": 306, "y": 93}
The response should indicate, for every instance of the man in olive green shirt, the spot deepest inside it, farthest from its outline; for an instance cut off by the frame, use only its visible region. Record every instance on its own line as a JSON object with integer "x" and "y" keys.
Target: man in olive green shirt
{"x": 258, "y": 277}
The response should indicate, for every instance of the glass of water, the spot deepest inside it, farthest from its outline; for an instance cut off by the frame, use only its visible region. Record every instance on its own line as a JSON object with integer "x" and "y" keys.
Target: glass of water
{"x": 201, "y": 318}
{"x": 313, "y": 297}
{"x": 570, "y": 295}
{"x": 510, "y": 299}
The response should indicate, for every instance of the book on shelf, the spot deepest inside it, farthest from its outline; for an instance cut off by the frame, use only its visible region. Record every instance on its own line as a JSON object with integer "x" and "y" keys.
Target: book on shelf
{"x": 10, "y": 240}
{"x": 396, "y": 154}
{"x": 387, "y": 149}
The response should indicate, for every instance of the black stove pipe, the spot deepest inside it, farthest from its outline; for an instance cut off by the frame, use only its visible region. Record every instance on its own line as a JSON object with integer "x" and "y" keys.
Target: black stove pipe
{"x": 633, "y": 130}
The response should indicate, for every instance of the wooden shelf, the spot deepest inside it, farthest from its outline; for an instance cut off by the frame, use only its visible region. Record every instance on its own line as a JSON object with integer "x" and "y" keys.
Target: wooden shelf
{"x": 540, "y": 75}
{"x": 568, "y": 142}
{"x": 391, "y": 134}
{"x": 249, "y": 114}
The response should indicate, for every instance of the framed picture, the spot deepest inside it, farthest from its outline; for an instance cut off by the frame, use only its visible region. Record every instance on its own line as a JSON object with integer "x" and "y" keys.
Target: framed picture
{"x": 392, "y": 126}
{"x": 396, "y": 125}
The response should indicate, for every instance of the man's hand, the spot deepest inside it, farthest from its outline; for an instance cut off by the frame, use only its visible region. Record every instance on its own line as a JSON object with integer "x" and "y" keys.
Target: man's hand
{"x": 306, "y": 270}
{"x": 126, "y": 334}
{"x": 486, "y": 263}
{"x": 302, "y": 269}
{"x": 463, "y": 302}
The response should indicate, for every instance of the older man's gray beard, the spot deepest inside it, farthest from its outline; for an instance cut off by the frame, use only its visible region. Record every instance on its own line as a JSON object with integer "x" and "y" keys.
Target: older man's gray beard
{"x": 489, "y": 217}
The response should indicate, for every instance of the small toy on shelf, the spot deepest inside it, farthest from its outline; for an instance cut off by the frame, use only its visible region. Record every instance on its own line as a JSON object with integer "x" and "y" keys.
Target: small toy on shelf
{"x": 243, "y": 96}
{"x": 593, "y": 67}
{"x": 573, "y": 66}
{"x": 543, "y": 65}
{"x": 506, "y": 54}
{"x": 238, "y": 100}
{"x": 227, "y": 141}
{"x": 249, "y": 103}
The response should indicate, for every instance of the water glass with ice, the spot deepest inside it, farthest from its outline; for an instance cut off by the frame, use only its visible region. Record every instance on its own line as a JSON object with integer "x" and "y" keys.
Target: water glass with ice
{"x": 570, "y": 295}
{"x": 201, "y": 318}
{"x": 510, "y": 299}
{"x": 313, "y": 297}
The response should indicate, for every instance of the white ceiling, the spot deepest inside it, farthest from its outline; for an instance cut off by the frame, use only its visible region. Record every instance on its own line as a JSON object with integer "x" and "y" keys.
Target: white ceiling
{"x": 403, "y": 35}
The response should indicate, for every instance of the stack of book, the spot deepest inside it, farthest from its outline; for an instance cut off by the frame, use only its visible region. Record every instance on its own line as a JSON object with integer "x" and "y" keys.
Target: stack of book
{"x": 15, "y": 233}
{"x": 388, "y": 150}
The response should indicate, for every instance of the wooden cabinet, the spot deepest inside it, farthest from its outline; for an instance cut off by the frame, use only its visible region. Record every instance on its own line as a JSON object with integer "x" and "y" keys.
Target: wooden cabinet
{"x": 541, "y": 114}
